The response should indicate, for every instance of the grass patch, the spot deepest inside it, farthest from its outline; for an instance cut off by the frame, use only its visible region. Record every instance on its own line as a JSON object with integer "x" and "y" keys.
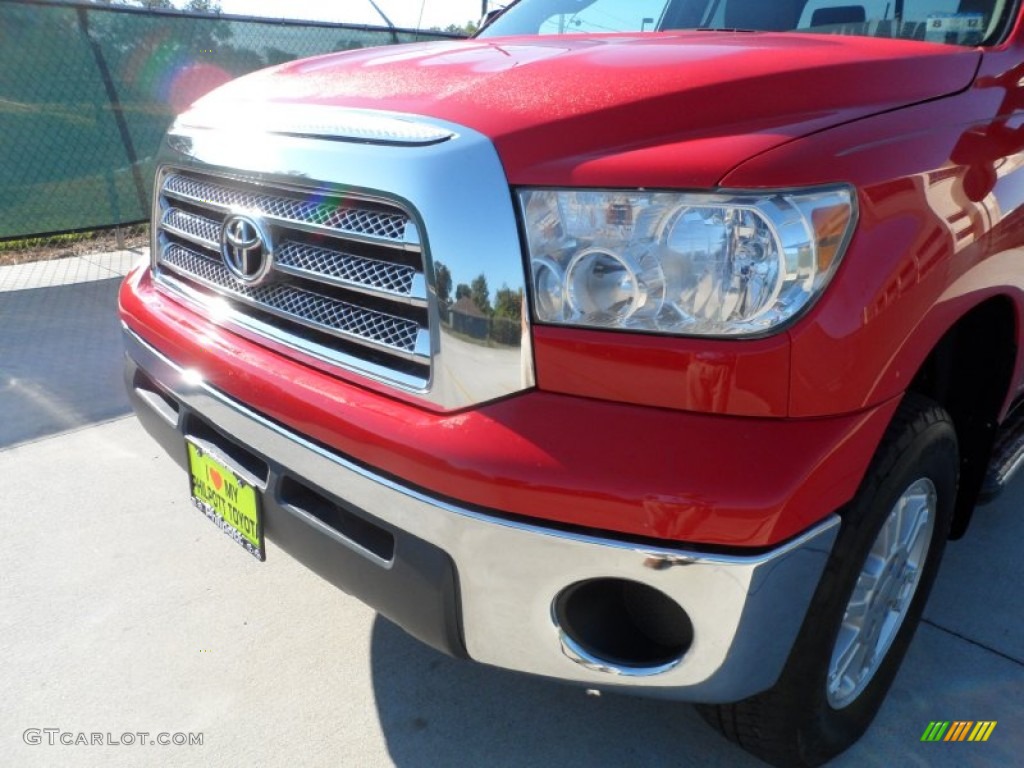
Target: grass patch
{"x": 28, "y": 249}
{"x": 37, "y": 242}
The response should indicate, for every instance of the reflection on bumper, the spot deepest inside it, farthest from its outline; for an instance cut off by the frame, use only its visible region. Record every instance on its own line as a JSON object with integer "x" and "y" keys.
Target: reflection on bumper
{"x": 745, "y": 610}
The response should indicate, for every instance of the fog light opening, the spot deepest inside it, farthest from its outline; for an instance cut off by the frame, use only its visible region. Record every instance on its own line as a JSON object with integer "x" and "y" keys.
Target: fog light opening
{"x": 622, "y": 626}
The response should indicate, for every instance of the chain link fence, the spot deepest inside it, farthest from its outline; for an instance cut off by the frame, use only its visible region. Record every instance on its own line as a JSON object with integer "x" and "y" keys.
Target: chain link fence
{"x": 87, "y": 91}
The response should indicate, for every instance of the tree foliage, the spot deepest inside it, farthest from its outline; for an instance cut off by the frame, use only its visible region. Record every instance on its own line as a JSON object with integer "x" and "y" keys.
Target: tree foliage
{"x": 203, "y": 6}
{"x": 443, "y": 283}
{"x": 197, "y": 6}
{"x": 468, "y": 29}
{"x": 480, "y": 294}
{"x": 508, "y": 303}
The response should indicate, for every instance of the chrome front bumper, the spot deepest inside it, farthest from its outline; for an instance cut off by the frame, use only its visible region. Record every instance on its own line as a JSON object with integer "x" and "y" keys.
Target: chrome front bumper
{"x": 745, "y": 610}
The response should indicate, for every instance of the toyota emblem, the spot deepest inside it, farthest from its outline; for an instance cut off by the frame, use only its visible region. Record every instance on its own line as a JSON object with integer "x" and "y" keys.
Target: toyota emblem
{"x": 246, "y": 248}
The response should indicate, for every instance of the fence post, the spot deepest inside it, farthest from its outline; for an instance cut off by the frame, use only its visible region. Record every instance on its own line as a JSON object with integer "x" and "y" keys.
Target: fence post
{"x": 118, "y": 111}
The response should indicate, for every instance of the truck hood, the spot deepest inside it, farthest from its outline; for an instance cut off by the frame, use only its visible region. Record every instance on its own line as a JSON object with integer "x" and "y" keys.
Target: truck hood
{"x": 670, "y": 109}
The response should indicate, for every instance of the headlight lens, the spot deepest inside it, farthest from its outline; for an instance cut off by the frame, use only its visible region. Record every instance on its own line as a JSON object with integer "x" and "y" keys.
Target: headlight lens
{"x": 680, "y": 263}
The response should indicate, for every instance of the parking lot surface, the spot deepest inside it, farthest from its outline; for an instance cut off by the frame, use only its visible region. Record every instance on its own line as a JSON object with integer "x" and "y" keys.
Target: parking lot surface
{"x": 123, "y": 611}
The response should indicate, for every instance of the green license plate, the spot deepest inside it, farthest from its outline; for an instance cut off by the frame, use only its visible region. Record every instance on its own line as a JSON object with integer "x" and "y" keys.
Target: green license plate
{"x": 227, "y": 499}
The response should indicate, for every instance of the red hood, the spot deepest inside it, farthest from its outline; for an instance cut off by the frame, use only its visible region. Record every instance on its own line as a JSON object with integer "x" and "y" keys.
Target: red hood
{"x": 673, "y": 109}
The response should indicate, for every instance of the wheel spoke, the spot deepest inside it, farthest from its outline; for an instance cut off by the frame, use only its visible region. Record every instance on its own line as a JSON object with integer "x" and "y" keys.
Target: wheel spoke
{"x": 850, "y": 659}
{"x": 889, "y": 535}
{"x": 883, "y": 592}
{"x": 918, "y": 523}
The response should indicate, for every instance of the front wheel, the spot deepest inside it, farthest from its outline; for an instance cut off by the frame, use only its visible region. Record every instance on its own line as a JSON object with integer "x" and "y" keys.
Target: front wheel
{"x": 868, "y": 603}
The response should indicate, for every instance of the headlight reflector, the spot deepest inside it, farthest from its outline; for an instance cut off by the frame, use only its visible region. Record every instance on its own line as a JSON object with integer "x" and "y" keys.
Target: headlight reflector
{"x": 682, "y": 263}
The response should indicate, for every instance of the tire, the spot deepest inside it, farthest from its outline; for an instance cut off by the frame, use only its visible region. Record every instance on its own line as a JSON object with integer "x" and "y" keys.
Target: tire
{"x": 825, "y": 699}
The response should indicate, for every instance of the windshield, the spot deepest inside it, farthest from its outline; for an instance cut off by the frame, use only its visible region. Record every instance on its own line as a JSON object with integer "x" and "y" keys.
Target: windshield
{"x": 957, "y": 22}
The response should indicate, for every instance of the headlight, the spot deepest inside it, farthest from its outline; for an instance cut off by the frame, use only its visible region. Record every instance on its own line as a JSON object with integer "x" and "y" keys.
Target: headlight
{"x": 680, "y": 263}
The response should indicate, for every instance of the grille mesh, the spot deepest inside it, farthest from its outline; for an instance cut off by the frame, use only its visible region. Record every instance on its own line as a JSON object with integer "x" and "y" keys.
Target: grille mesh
{"x": 349, "y": 291}
{"x": 371, "y": 273}
{"x": 361, "y": 221}
{"x": 191, "y": 224}
{"x": 387, "y": 330}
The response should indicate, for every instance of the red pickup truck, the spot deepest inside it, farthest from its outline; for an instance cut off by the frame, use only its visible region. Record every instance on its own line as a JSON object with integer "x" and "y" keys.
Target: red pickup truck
{"x": 657, "y": 347}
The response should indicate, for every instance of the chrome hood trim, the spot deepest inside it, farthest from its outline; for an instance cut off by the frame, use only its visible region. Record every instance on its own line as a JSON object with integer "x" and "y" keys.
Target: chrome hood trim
{"x": 317, "y": 121}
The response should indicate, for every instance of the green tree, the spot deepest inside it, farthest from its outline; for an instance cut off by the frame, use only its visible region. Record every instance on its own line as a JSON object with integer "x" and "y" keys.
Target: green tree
{"x": 467, "y": 29}
{"x": 481, "y": 294}
{"x": 203, "y": 6}
{"x": 137, "y": 3}
{"x": 506, "y": 324}
{"x": 462, "y": 291}
{"x": 443, "y": 283}
{"x": 199, "y": 6}
{"x": 508, "y": 303}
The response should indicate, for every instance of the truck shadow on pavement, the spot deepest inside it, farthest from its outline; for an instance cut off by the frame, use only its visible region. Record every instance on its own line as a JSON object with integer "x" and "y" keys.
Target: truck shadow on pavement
{"x": 966, "y": 663}
{"x": 60, "y": 353}
{"x": 439, "y": 711}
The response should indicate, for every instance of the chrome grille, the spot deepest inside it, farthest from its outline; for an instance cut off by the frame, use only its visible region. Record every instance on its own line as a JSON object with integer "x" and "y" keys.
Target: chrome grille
{"x": 308, "y": 308}
{"x": 395, "y": 278}
{"x": 193, "y": 227}
{"x": 330, "y": 213}
{"x": 346, "y": 282}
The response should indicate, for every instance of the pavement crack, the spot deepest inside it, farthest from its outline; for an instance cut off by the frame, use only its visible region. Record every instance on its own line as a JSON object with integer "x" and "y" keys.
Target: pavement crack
{"x": 989, "y": 648}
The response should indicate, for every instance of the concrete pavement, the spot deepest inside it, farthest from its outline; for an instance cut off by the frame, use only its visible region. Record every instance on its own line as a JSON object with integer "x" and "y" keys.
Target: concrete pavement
{"x": 123, "y": 610}
{"x": 58, "y": 334}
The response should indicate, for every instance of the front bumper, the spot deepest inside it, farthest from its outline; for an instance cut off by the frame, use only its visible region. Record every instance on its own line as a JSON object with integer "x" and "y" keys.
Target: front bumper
{"x": 483, "y": 585}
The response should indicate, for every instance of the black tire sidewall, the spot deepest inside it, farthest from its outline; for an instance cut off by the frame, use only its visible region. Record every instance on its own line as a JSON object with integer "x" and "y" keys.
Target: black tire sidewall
{"x": 931, "y": 453}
